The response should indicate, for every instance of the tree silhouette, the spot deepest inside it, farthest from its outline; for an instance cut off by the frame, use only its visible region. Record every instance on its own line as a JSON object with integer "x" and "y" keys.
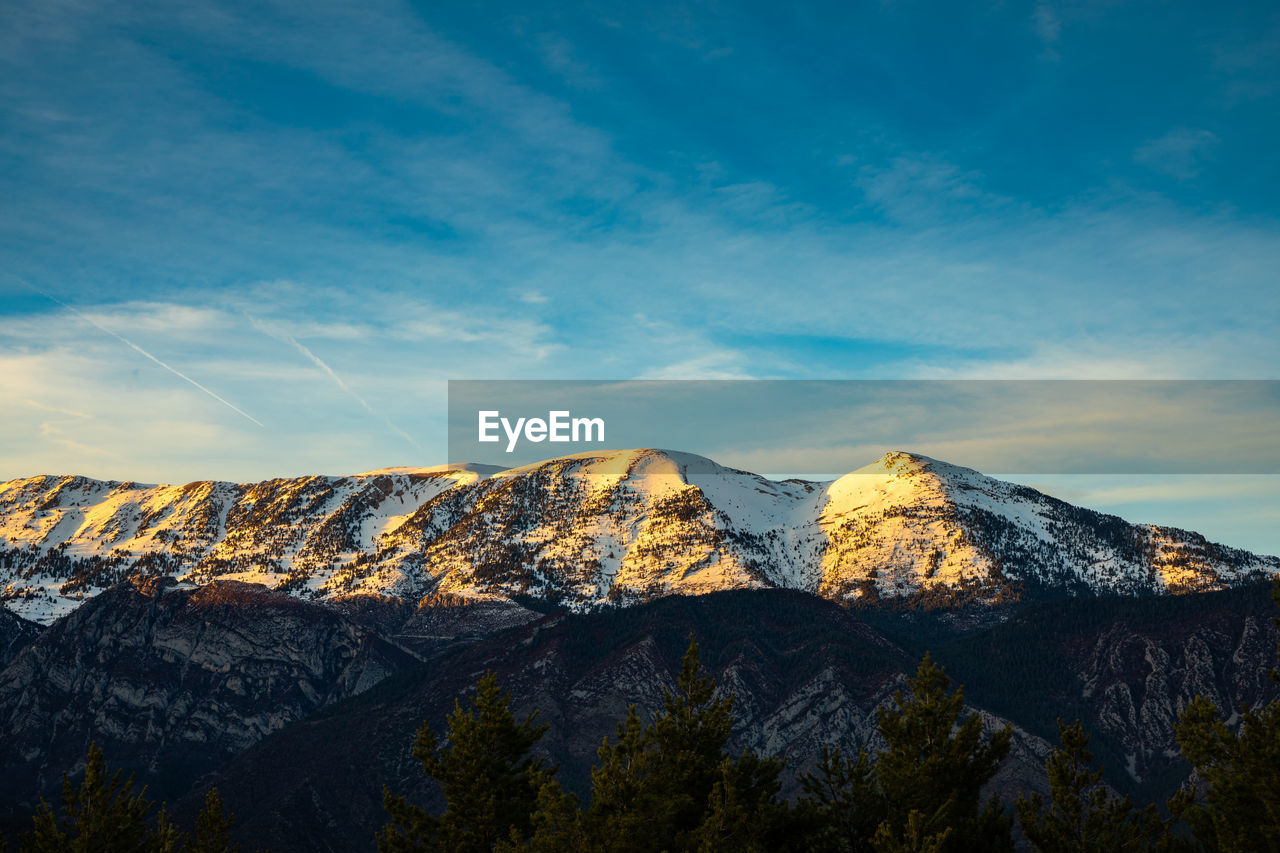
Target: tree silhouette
{"x": 652, "y": 786}
{"x": 103, "y": 813}
{"x": 670, "y": 785}
{"x": 213, "y": 828}
{"x": 1082, "y": 816}
{"x": 922, "y": 792}
{"x": 845, "y": 803}
{"x": 936, "y": 764}
{"x": 490, "y": 781}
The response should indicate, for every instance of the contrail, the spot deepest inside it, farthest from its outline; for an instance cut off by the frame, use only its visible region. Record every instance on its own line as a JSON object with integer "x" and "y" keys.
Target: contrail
{"x": 315, "y": 359}
{"x": 131, "y": 345}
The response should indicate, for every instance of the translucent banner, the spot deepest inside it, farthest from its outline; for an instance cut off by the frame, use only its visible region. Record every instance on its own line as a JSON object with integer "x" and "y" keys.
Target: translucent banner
{"x": 828, "y": 428}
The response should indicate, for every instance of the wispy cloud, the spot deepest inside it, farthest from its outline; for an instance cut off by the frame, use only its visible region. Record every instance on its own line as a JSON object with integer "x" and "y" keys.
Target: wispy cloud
{"x": 1048, "y": 27}
{"x": 1180, "y": 153}
{"x": 560, "y": 57}
{"x": 533, "y": 297}
{"x": 58, "y": 410}
{"x": 718, "y": 364}
{"x": 56, "y": 433}
{"x": 923, "y": 189}
{"x": 414, "y": 197}
{"x": 131, "y": 345}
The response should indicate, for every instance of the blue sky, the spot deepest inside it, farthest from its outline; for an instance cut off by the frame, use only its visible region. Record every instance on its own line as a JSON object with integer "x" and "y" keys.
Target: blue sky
{"x": 318, "y": 213}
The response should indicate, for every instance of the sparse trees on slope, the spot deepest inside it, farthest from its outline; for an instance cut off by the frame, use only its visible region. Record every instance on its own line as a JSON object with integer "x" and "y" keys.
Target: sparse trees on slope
{"x": 1081, "y": 815}
{"x": 490, "y": 780}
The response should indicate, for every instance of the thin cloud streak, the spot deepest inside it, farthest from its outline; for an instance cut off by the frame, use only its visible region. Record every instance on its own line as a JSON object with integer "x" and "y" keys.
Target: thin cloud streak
{"x": 178, "y": 373}
{"x": 328, "y": 371}
{"x": 71, "y": 413}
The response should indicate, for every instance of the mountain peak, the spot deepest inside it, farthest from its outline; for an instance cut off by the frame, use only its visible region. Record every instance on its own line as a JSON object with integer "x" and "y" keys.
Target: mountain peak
{"x": 593, "y": 528}
{"x": 904, "y": 462}
{"x": 638, "y": 463}
{"x": 457, "y": 469}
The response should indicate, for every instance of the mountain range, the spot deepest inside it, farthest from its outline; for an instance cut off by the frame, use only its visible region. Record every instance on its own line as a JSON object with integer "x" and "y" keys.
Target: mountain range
{"x": 592, "y": 530}
{"x": 283, "y": 640}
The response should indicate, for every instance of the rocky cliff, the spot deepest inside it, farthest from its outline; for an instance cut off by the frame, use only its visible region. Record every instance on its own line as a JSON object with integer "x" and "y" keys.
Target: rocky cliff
{"x": 173, "y": 679}
{"x": 806, "y": 674}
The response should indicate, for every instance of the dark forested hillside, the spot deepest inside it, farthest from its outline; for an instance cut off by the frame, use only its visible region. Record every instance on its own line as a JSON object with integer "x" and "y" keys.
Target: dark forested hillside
{"x": 805, "y": 674}
{"x": 299, "y": 713}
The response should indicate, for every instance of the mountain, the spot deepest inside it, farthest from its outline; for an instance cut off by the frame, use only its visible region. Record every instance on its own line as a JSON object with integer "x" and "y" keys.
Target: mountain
{"x": 805, "y": 674}
{"x": 596, "y": 529}
{"x": 172, "y": 680}
{"x": 1125, "y": 666}
{"x": 299, "y": 712}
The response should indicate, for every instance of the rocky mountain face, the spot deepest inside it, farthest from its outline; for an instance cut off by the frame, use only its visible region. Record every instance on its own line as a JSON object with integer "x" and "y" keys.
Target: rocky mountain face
{"x": 299, "y": 712}
{"x": 64, "y": 538}
{"x": 173, "y": 679}
{"x": 16, "y": 634}
{"x": 805, "y": 674}
{"x": 1125, "y": 667}
{"x": 592, "y": 530}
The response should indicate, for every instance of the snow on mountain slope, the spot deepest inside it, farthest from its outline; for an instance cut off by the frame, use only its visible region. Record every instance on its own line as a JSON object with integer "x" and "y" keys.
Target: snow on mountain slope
{"x": 908, "y": 524}
{"x": 592, "y": 529}
{"x": 596, "y": 528}
{"x": 62, "y": 538}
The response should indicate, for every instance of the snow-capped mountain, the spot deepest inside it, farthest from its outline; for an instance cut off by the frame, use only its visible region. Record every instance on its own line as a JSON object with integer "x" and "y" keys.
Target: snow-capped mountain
{"x": 593, "y": 529}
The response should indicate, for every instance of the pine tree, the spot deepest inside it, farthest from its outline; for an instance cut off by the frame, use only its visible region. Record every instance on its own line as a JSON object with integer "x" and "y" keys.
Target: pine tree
{"x": 652, "y": 787}
{"x": 213, "y": 828}
{"x": 103, "y": 813}
{"x": 922, "y": 792}
{"x": 744, "y": 812}
{"x": 689, "y": 738}
{"x": 1081, "y": 815}
{"x": 913, "y": 837}
{"x": 1236, "y": 806}
{"x": 841, "y": 795}
{"x": 936, "y": 764}
{"x": 627, "y": 811}
{"x": 167, "y": 838}
{"x": 556, "y": 822}
{"x": 490, "y": 781}
{"x": 670, "y": 785}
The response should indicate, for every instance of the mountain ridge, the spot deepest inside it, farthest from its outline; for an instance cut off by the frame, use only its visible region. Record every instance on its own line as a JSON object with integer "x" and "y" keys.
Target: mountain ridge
{"x": 596, "y": 529}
